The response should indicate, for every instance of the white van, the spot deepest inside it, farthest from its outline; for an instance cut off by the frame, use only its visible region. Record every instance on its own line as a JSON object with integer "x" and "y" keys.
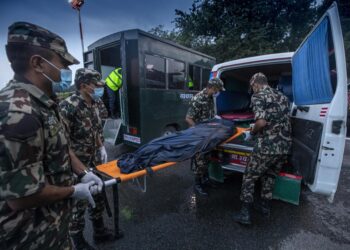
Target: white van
{"x": 314, "y": 79}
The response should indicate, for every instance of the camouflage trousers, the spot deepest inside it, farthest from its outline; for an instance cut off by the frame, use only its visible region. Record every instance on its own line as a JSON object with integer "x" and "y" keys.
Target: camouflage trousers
{"x": 200, "y": 164}
{"x": 77, "y": 222}
{"x": 264, "y": 167}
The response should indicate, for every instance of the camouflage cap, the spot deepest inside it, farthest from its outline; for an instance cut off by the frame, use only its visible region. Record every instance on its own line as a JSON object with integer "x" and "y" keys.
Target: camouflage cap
{"x": 34, "y": 35}
{"x": 258, "y": 78}
{"x": 216, "y": 82}
{"x": 83, "y": 75}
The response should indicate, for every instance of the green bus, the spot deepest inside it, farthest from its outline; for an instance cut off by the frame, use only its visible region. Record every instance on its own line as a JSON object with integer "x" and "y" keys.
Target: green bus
{"x": 154, "y": 98}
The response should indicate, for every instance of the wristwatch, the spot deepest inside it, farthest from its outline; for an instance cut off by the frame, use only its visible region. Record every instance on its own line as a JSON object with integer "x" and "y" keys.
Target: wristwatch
{"x": 81, "y": 175}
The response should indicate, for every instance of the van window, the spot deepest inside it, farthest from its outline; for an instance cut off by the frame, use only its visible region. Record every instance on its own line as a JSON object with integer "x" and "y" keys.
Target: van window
{"x": 205, "y": 77}
{"x": 176, "y": 74}
{"x": 195, "y": 74}
{"x": 311, "y": 69}
{"x": 155, "y": 71}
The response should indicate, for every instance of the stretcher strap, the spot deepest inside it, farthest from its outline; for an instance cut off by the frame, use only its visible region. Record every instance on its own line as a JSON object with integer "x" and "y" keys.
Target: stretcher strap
{"x": 239, "y": 132}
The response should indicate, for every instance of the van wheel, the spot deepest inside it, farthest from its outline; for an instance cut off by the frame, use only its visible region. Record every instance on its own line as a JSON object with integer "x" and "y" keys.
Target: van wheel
{"x": 169, "y": 130}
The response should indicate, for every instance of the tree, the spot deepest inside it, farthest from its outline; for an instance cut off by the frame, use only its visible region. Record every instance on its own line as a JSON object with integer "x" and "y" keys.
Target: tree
{"x": 230, "y": 29}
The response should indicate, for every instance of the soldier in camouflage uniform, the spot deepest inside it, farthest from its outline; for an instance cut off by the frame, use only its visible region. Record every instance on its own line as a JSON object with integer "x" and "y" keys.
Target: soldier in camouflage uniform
{"x": 272, "y": 130}
{"x": 202, "y": 109}
{"x": 36, "y": 170}
{"x": 102, "y": 114}
{"x": 79, "y": 113}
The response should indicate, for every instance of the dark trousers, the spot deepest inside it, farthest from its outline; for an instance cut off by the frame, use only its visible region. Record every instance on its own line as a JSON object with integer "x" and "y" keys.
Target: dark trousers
{"x": 113, "y": 103}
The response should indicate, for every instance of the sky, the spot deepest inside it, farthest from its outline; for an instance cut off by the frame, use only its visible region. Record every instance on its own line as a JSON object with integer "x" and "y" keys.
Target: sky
{"x": 99, "y": 18}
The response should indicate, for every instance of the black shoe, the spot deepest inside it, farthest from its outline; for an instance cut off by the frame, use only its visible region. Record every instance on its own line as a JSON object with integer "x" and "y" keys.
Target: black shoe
{"x": 80, "y": 243}
{"x": 198, "y": 188}
{"x": 119, "y": 235}
{"x": 243, "y": 217}
{"x": 209, "y": 183}
{"x": 101, "y": 234}
{"x": 263, "y": 207}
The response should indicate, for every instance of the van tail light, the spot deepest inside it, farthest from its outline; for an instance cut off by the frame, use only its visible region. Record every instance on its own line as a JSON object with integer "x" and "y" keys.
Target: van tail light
{"x": 133, "y": 130}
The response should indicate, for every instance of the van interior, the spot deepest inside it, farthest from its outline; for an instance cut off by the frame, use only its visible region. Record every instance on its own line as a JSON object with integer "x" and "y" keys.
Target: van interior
{"x": 234, "y": 103}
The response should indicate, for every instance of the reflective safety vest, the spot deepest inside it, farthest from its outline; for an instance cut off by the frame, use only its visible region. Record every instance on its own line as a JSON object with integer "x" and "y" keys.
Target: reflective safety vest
{"x": 190, "y": 83}
{"x": 114, "y": 79}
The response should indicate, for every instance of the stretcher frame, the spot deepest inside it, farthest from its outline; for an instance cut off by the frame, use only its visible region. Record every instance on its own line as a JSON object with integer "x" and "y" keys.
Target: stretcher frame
{"x": 111, "y": 171}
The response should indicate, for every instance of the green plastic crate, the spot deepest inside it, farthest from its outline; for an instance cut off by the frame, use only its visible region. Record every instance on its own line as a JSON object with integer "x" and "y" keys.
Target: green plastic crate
{"x": 287, "y": 188}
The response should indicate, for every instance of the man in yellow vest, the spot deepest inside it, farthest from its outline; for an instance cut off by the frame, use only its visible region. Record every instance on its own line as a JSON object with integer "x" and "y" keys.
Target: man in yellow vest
{"x": 190, "y": 83}
{"x": 114, "y": 83}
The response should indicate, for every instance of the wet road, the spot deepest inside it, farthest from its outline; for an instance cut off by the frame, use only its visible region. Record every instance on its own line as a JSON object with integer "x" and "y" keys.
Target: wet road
{"x": 170, "y": 216}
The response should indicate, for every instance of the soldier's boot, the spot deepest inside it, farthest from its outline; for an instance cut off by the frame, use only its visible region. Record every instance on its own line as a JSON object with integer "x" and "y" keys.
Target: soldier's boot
{"x": 208, "y": 183}
{"x": 263, "y": 207}
{"x": 80, "y": 243}
{"x": 101, "y": 233}
{"x": 243, "y": 216}
{"x": 199, "y": 187}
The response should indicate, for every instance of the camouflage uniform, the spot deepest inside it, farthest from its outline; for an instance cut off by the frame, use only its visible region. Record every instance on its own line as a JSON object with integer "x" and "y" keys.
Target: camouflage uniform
{"x": 201, "y": 109}
{"x": 102, "y": 114}
{"x": 84, "y": 127}
{"x": 33, "y": 151}
{"x": 273, "y": 143}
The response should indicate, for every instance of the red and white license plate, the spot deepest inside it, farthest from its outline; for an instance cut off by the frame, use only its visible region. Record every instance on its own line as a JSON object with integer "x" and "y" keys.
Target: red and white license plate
{"x": 240, "y": 158}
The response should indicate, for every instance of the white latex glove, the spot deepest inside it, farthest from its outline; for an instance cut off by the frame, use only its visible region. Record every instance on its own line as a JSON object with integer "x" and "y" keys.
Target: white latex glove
{"x": 217, "y": 117}
{"x": 82, "y": 192}
{"x": 90, "y": 176}
{"x": 103, "y": 154}
{"x": 247, "y": 135}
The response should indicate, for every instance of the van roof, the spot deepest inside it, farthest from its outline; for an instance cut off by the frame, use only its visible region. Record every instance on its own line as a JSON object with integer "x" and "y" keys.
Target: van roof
{"x": 278, "y": 57}
{"x": 115, "y": 37}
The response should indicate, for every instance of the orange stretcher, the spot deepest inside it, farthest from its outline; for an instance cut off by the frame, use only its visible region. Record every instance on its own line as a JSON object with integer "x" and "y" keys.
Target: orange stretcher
{"x": 111, "y": 171}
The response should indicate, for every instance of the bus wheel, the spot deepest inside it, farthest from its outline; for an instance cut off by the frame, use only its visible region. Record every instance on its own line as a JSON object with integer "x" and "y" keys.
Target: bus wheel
{"x": 169, "y": 130}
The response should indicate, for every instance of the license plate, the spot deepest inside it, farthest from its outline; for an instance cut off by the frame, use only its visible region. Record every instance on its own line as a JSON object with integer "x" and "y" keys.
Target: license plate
{"x": 240, "y": 158}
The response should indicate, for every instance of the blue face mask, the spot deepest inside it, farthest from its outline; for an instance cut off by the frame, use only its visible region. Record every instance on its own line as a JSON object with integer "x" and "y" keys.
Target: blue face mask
{"x": 98, "y": 93}
{"x": 64, "y": 83}
{"x": 216, "y": 94}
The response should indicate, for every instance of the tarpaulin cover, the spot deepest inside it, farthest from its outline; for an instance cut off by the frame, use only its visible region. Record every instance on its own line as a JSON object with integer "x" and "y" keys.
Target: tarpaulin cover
{"x": 178, "y": 146}
{"x": 311, "y": 71}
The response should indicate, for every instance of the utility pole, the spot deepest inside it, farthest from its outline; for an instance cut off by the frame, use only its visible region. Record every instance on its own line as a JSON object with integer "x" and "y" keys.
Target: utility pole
{"x": 77, "y": 4}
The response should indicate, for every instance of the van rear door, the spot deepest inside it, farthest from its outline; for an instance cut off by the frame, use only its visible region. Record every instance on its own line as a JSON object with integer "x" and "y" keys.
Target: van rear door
{"x": 320, "y": 105}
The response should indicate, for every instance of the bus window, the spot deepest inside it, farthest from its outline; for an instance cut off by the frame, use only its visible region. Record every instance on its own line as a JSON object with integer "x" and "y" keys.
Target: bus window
{"x": 155, "y": 71}
{"x": 195, "y": 75}
{"x": 205, "y": 77}
{"x": 176, "y": 74}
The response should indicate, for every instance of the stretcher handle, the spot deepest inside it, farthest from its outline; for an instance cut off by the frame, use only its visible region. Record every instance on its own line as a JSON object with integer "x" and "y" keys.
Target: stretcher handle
{"x": 110, "y": 182}
{"x": 238, "y": 133}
